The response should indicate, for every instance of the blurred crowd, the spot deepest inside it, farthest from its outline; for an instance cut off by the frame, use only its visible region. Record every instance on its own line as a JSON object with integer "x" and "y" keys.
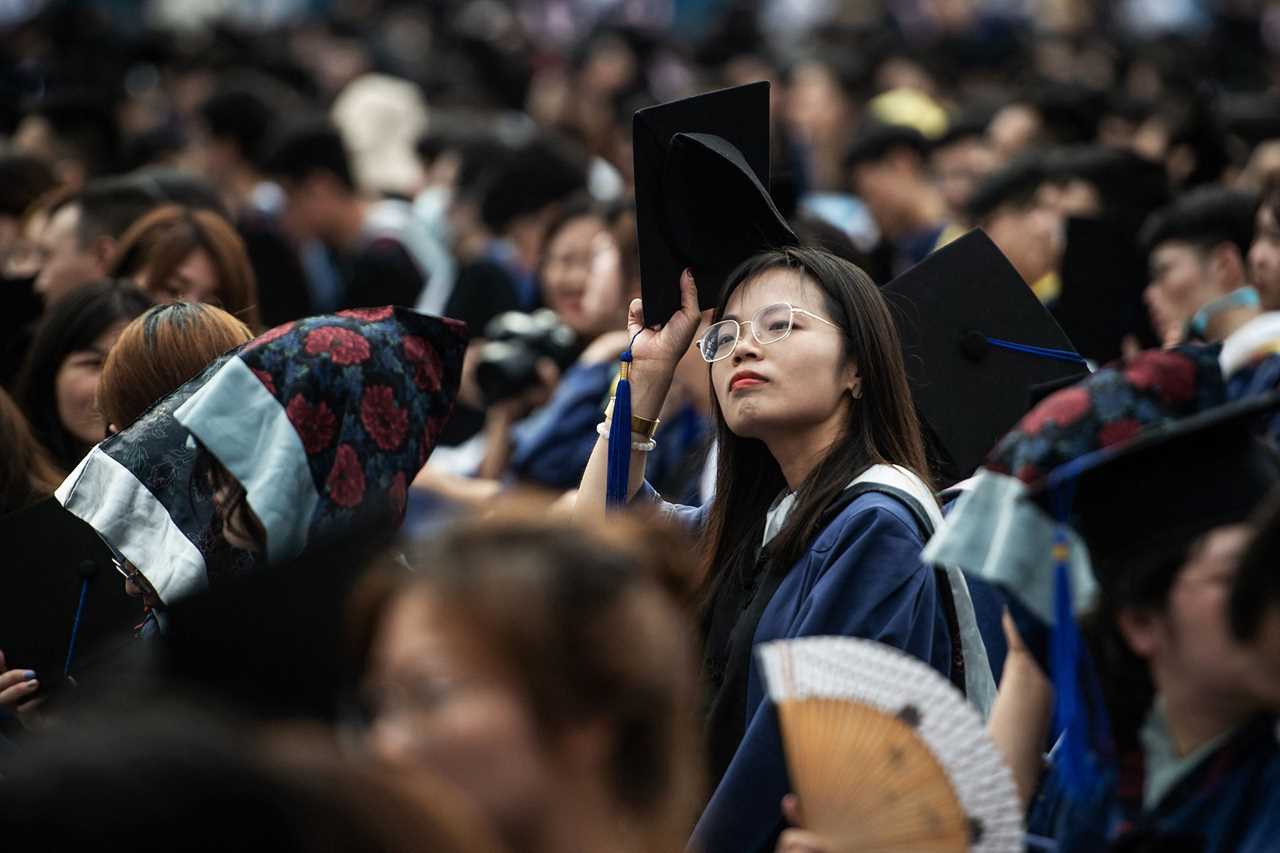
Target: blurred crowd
{"x": 188, "y": 184}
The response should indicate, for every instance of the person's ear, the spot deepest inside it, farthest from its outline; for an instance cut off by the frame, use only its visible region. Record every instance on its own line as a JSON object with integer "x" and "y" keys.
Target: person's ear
{"x": 1141, "y": 630}
{"x": 103, "y": 250}
{"x": 1228, "y": 267}
{"x": 853, "y": 382}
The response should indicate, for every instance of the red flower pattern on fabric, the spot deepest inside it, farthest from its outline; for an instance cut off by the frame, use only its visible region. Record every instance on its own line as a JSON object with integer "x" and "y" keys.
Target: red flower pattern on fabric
{"x": 383, "y": 418}
{"x": 343, "y": 345}
{"x": 425, "y": 361}
{"x": 398, "y": 494}
{"x": 346, "y": 479}
{"x": 1063, "y": 408}
{"x": 1173, "y": 375}
{"x": 265, "y": 379}
{"x": 1118, "y": 431}
{"x": 368, "y": 315}
{"x": 315, "y": 425}
{"x": 270, "y": 335}
{"x": 1029, "y": 473}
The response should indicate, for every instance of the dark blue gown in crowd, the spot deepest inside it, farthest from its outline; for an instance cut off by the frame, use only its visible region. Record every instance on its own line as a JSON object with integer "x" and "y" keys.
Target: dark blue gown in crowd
{"x": 1229, "y": 802}
{"x": 552, "y": 446}
{"x": 862, "y": 577}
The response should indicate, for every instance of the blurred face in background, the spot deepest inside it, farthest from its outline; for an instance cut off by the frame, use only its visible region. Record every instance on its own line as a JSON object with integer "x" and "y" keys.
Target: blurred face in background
{"x": 195, "y": 280}
{"x": 313, "y": 206}
{"x": 76, "y": 388}
{"x": 888, "y": 187}
{"x": 581, "y": 276}
{"x": 65, "y": 262}
{"x": 960, "y": 167}
{"x": 442, "y": 700}
{"x": 1012, "y": 130}
{"x": 1183, "y": 279}
{"x": 1264, "y": 257}
{"x": 1029, "y": 234}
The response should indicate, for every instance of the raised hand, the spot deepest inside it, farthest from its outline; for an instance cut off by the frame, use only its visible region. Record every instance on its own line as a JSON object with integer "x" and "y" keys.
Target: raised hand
{"x": 656, "y": 351}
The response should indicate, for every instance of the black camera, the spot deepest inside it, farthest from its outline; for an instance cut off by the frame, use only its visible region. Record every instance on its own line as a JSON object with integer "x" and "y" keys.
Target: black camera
{"x": 507, "y": 365}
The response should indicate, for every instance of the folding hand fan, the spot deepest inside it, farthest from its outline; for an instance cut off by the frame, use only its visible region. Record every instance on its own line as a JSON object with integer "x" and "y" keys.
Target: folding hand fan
{"x": 884, "y": 753}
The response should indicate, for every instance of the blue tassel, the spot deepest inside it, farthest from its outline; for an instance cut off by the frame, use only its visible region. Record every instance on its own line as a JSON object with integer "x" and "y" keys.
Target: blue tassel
{"x": 75, "y": 626}
{"x": 1065, "y": 652}
{"x": 620, "y": 438}
{"x": 1084, "y": 753}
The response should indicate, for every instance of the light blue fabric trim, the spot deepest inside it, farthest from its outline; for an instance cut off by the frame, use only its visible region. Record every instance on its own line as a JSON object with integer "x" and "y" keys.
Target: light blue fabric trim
{"x": 111, "y": 500}
{"x": 996, "y": 533}
{"x": 243, "y": 425}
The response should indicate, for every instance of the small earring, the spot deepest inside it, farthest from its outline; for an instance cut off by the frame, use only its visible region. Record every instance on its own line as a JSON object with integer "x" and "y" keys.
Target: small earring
{"x": 857, "y": 392}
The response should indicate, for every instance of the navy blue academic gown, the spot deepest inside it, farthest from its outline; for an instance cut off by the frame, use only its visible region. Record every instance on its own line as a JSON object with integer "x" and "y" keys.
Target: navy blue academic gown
{"x": 1229, "y": 803}
{"x": 862, "y": 577}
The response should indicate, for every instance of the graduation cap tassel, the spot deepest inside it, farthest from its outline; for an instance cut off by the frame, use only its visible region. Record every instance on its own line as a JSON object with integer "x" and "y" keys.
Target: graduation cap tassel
{"x": 620, "y": 436}
{"x": 1078, "y": 708}
{"x": 1065, "y": 652}
{"x": 75, "y": 624}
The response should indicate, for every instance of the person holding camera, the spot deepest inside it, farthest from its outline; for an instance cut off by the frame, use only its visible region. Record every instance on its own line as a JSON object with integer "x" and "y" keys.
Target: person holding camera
{"x": 547, "y": 376}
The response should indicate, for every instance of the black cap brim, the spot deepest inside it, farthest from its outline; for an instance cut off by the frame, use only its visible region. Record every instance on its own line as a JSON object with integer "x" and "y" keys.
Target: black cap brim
{"x": 49, "y": 553}
{"x": 1157, "y": 494}
{"x": 702, "y": 200}
{"x": 970, "y": 391}
{"x": 1103, "y": 278}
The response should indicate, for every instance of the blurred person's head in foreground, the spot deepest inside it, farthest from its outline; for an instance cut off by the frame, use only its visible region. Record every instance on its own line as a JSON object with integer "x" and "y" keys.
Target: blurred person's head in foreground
{"x": 159, "y": 351}
{"x": 1196, "y": 252}
{"x": 168, "y": 775}
{"x": 58, "y": 385}
{"x": 544, "y": 669}
{"x": 194, "y": 255}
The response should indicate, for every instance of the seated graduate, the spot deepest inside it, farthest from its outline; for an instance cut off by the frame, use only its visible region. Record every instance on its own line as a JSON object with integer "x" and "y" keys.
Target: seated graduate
{"x": 313, "y": 428}
{"x": 544, "y": 435}
{"x": 822, "y": 499}
{"x": 1166, "y": 712}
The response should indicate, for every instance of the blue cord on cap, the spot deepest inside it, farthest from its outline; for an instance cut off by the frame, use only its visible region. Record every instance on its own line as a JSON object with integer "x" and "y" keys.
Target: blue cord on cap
{"x": 1043, "y": 352}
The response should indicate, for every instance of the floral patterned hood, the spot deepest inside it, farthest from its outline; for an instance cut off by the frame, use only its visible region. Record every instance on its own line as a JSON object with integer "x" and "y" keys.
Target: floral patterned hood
{"x": 324, "y": 421}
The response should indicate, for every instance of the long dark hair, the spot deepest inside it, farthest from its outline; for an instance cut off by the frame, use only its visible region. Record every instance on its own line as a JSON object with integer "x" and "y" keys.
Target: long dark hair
{"x": 883, "y": 427}
{"x": 73, "y": 323}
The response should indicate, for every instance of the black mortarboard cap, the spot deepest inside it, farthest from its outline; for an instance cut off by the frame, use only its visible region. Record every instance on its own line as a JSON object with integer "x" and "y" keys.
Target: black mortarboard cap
{"x": 49, "y": 553}
{"x": 1103, "y": 277}
{"x": 702, "y": 193}
{"x": 976, "y": 341}
{"x": 287, "y": 657}
{"x": 1138, "y": 502}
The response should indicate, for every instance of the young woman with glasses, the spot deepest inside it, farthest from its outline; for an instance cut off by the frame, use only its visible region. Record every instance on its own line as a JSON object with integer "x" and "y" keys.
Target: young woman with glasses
{"x": 822, "y": 502}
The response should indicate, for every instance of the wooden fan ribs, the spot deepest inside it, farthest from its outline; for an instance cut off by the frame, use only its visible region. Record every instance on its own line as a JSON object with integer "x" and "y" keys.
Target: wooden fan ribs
{"x": 884, "y": 753}
{"x": 866, "y": 780}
